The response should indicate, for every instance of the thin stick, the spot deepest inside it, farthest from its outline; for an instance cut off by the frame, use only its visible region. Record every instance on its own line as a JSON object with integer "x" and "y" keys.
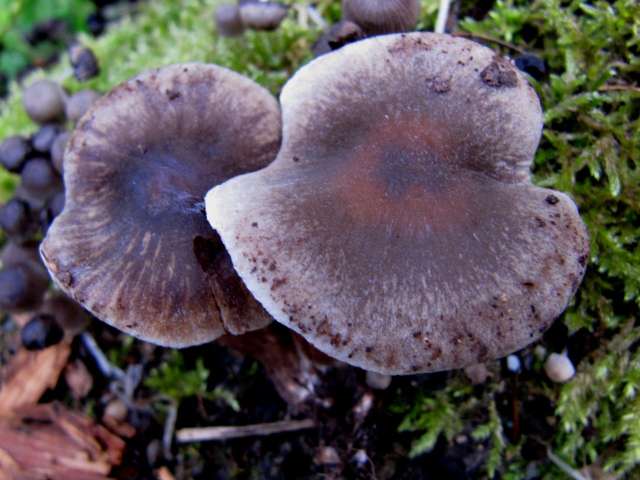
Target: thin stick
{"x": 169, "y": 428}
{"x": 487, "y": 38}
{"x": 102, "y": 362}
{"x": 443, "y": 16}
{"x": 204, "y": 434}
{"x": 619, "y": 88}
{"x": 562, "y": 465}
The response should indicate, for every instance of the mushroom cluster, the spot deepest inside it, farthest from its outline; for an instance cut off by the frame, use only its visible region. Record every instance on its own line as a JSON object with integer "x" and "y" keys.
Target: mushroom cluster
{"x": 396, "y": 230}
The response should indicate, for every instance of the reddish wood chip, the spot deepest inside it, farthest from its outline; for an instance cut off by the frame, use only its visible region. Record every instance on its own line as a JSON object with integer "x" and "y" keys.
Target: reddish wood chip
{"x": 29, "y": 374}
{"x": 47, "y": 441}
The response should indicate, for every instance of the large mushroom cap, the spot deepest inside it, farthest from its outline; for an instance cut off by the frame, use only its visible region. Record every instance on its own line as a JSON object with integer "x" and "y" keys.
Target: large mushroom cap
{"x": 398, "y": 230}
{"x": 133, "y": 244}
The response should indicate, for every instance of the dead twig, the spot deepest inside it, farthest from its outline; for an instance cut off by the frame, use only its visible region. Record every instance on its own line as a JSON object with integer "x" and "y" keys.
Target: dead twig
{"x": 203, "y": 434}
{"x": 102, "y": 362}
{"x": 620, "y": 88}
{"x": 562, "y": 465}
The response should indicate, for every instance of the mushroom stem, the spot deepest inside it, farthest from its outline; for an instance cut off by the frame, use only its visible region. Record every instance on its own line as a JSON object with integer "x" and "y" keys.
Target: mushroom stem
{"x": 443, "y": 15}
{"x": 186, "y": 435}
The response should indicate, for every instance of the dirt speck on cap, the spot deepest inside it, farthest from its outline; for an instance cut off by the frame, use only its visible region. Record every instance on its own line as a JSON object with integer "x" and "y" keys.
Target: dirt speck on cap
{"x": 499, "y": 73}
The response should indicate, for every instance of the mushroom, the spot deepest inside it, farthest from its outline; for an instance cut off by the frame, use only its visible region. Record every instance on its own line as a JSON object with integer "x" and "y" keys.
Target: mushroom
{"x": 43, "y": 101}
{"x": 228, "y": 21}
{"x": 398, "y": 229}
{"x": 132, "y": 244}
{"x": 337, "y": 36}
{"x": 262, "y": 15}
{"x": 376, "y": 17}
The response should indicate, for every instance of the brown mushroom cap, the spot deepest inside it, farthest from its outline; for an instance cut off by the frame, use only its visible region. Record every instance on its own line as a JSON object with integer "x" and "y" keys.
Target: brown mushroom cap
{"x": 133, "y": 245}
{"x": 382, "y": 16}
{"x": 398, "y": 230}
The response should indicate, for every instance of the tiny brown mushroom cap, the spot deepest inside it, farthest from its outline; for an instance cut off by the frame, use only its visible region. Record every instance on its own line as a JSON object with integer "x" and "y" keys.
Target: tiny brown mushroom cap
{"x": 382, "y": 16}
{"x": 132, "y": 244}
{"x": 397, "y": 230}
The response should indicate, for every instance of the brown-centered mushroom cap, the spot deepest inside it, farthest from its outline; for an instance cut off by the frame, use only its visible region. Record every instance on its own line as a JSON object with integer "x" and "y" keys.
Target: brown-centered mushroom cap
{"x": 133, "y": 245}
{"x": 398, "y": 230}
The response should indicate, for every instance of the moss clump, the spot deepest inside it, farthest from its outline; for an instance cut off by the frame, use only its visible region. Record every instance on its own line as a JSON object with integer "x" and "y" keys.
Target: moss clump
{"x": 590, "y": 149}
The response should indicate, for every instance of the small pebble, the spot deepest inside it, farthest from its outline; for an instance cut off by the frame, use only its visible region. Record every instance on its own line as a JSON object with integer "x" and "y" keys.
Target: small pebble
{"x": 44, "y": 101}
{"x": 378, "y": 381}
{"x": 531, "y": 64}
{"x": 116, "y": 410}
{"x": 360, "y": 458}
{"x": 477, "y": 373}
{"x": 327, "y": 456}
{"x": 559, "y": 368}
{"x": 40, "y": 332}
{"x": 513, "y": 363}
{"x": 13, "y": 153}
{"x": 79, "y": 103}
{"x": 84, "y": 62}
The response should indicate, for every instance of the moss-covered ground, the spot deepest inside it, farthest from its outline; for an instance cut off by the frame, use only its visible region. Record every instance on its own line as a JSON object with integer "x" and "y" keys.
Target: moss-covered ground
{"x": 526, "y": 426}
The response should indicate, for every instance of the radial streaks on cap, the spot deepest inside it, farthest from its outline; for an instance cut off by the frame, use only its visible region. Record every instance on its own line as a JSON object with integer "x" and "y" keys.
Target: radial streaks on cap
{"x": 397, "y": 229}
{"x": 132, "y": 244}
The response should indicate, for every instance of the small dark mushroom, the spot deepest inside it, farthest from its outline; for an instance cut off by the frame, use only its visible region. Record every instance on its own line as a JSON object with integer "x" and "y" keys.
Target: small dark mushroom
{"x": 388, "y": 16}
{"x": 228, "y": 21}
{"x": 44, "y": 101}
{"x": 39, "y": 177}
{"x": 400, "y": 232}
{"x": 13, "y": 153}
{"x": 15, "y": 217}
{"x": 84, "y": 62}
{"x": 79, "y": 103}
{"x": 262, "y": 15}
{"x": 43, "y": 138}
{"x": 132, "y": 244}
{"x": 40, "y": 332}
{"x": 20, "y": 288}
{"x": 336, "y": 37}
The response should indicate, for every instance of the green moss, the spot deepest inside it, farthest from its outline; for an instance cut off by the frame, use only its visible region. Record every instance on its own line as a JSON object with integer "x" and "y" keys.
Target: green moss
{"x": 590, "y": 149}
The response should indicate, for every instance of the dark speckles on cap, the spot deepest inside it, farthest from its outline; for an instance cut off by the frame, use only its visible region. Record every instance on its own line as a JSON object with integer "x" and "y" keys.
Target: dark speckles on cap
{"x": 132, "y": 243}
{"x": 410, "y": 227}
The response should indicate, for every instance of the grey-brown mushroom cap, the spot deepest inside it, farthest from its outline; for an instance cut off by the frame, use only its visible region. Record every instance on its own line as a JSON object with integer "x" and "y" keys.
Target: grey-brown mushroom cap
{"x": 378, "y": 17}
{"x": 397, "y": 230}
{"x": 133, "y": 245}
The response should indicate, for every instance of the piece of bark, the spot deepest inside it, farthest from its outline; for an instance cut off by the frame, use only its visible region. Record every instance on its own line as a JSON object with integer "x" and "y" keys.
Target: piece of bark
{"x": 50, "y": 442}
{"x": 29, "y": 374}
{"x": 78, "y": 379}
